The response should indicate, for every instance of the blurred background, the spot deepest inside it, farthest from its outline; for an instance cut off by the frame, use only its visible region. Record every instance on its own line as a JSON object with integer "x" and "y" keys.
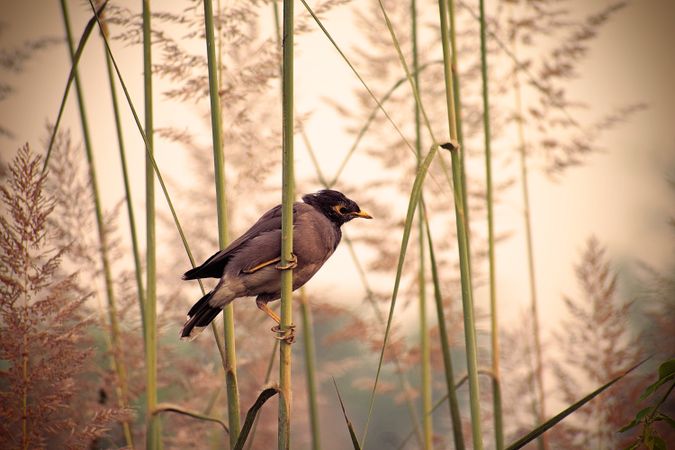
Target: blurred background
{"x": 590, "y": 83}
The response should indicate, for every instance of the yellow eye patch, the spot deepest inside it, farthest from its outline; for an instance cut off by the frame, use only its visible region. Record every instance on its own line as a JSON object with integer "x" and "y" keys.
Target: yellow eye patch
{"x": 339, "y": 209}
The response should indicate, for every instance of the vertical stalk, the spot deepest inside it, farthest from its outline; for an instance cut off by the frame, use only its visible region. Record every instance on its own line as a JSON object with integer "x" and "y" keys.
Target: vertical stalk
{"x": 462, "y": 237}
{"x": 138, "y": 268}
{"x": 494, "y": 324}
{"x": 310, "y": 363}
{"x": 284, "y": 429}
{"x": 153, "y": 424}
{"x": 458, "y": 101}
{"x": 425, "y": 354}
{"x": 116, "y": 361}
{"x": 219, "y": 170}
{"x": 522, "y": 150}
{"x": 453, "y": 404}
{"x": 305, "y": 310}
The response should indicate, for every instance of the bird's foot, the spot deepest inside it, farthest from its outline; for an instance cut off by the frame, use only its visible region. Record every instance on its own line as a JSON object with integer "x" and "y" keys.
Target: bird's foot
{"x": 291, "y": 264}
{"x": 287, "y": 335}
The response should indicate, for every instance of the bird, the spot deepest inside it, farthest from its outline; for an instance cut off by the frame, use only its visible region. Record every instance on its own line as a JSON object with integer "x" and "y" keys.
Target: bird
{"x": 249, "y": 266}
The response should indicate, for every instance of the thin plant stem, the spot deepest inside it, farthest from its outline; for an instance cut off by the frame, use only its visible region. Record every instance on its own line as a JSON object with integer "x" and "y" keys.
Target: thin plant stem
{"x": 117, "y": 359}
{"x": 453, "y": 404}
{"x": 288, "y": 194}
{"x": 415, "y": 195}
{"x": 153, "y": 437}
{"x": 451, "y": 28}
{"x": 522, "y": 151}
{"x": 71, "y": 75}
{"x": 494, "y": 324}
{"x": 310, "y": 364}
{"x": 268, "y": 373}
{"x": 462, "y": 236}
{"x": 425, "y": 353}
{"x": 305, "y": 310}
{"x": 219, "y": 170}
{"x": 405, "y": 386}
{"x": 138, "y": 268}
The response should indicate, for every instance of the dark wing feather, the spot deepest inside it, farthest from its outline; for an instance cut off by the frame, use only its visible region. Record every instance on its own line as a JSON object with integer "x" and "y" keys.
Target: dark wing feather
{"x": 215, "y": 265}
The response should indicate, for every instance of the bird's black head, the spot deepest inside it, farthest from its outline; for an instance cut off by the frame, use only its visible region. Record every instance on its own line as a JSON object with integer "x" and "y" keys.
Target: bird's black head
{"x": 334, "y": 205}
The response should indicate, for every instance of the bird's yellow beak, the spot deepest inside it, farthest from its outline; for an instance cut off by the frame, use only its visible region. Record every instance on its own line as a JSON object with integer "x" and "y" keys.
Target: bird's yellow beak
{"x": 362, "y": 214}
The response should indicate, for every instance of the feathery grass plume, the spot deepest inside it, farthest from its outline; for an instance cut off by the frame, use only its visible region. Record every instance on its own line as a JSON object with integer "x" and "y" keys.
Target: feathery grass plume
{"x": 43, "y": 340}
{"x": 564, "y": 130}
{"x": 72, "y": 224}
{"x": 598, "y": 346}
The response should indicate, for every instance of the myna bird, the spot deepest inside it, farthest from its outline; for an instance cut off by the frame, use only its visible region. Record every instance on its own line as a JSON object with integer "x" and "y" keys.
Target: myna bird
{"x": 249, "y": 266}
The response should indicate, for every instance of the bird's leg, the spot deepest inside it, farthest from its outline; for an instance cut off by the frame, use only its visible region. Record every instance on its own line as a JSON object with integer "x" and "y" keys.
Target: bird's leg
{"x": 291, "y": 264}
{"x": 262, "y": 306}
{"x": 287, "y": 335}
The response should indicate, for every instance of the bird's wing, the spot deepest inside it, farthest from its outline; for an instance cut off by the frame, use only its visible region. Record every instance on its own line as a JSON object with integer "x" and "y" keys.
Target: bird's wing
{"x": 268, "y": 223}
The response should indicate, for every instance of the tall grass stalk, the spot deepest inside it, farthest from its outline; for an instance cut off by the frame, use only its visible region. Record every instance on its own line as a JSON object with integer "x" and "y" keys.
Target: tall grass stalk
{"x": 117, "y": 361}
{"x": 138, "y": 268}
{"x": 153, "y": 438}
{"x": 219, "y": 170}
{"x": 462, "y": 235}
{"x": 494, "y": 324}
{"x": 310, "y": 363}
{"x": 522, "y": 151}
{"x": 405, "y": 385}
{"x": 305, "y": 309}
{"x": 425, "y": 353}
{"x": 453, "y": 404}
{"x": 288, "y": 194}
{"x": 456, "y": 86}
{"x": 75, "y": 59}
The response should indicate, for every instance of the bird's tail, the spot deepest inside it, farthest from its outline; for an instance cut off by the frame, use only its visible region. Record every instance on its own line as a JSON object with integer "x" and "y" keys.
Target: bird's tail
{"x": 199, "y": 317}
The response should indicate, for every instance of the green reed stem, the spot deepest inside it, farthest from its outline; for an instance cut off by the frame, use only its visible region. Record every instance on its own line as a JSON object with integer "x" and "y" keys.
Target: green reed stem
{"x": 310, "y": 363}
{"x": 405, "y": 386}
{"x": 456, "y": 86}
{"x": 288, "y": 194}
{"x": 305, "y": 310}
{"x": 494, "y": 324}
{"x": 219, "y": 170}
{"x": 425, "y": 352}
{"x": 153, "y": 437}
{"x": 138, "y": 268}
{"x": 415, "y": 196}
{"x": 453, "y": 404}
{"x": 71, "y": 75}
{"x": 117, "y": 360}
{"x": 462, "y": 235}
{"x": 542, "y": 442}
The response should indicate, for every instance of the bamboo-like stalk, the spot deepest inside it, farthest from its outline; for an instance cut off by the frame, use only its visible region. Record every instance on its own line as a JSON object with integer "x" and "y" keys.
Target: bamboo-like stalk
{"x": 219, "y": 170}
{"x": 453, "y": 404}
{"x": 405, "y": 386}
{"x": 462, "y": 237}
{"x": 425, "y": 353}
{"x": 310, "y": 363}
{"x": 288, "y": 194}
{"x": 138, "y": 268}
{"x": 494, "y": 324}
{"x": 522, "y": 151}
{"x": 458, "y": 102}
{"x": 305, "y": 310}
{"x": 116, "y": 360}
{"x": 153, "y": 438}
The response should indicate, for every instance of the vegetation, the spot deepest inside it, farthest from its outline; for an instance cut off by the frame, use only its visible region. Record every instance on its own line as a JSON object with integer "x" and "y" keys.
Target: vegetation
{"x": 456, "y": 102}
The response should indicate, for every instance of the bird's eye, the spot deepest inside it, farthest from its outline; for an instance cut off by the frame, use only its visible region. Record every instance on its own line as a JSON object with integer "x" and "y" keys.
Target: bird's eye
{"x": 340, "y": 209}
